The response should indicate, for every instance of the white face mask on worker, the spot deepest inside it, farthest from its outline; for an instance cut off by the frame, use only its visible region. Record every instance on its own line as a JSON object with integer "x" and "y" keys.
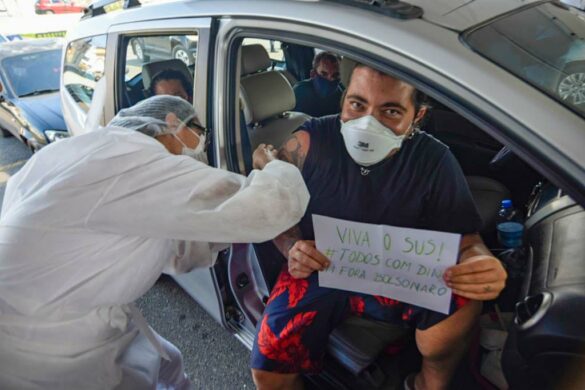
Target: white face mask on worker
{"x": 368, "y": 141}
{"x": 199, "y": 152}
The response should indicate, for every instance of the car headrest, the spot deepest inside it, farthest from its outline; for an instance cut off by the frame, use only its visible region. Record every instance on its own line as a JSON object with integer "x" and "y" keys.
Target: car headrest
{"x": 254, "y": 59}
{"x": 346, "y": 66}
{"x": 266, "y": 95}
{"x": 150, "y": 70}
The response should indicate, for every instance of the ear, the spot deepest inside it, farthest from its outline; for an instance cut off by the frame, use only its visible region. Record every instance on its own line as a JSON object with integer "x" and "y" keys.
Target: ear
{"x": 420, "y": 115}
{"x": 172, "y": 120}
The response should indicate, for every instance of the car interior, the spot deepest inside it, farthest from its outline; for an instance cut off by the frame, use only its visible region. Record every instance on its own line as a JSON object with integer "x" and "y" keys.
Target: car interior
{"x": 368, "y": 354}
{"x": 138, "y": 74}
{"x": 364, "y": 353}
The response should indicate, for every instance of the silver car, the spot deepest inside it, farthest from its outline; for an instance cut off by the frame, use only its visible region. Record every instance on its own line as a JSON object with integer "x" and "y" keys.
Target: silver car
{"x": 507, "y": 81}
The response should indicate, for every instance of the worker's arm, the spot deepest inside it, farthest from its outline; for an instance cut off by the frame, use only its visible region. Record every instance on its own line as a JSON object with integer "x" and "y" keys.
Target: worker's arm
{"x": 179, "y": 198}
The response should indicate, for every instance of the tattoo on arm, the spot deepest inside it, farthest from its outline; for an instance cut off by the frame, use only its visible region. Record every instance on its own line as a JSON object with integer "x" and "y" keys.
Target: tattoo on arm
{"x": 286, "y": 240}
{"x": 292, "y": 152}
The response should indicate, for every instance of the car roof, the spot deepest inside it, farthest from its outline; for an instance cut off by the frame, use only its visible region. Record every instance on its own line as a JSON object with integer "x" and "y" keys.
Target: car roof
{"x": 456, "y": 15}
{"x": 14, "y": 48}
{"x": 460, "y": 15}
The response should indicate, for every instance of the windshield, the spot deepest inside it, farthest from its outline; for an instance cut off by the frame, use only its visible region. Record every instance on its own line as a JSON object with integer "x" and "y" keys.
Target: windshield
{"x": 544, "y": 45}
{"x": 34, "y": 72}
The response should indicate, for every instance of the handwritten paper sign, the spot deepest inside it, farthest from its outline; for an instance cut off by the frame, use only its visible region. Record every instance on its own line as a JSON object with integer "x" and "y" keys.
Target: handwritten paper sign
{"x": 398, "y": 263}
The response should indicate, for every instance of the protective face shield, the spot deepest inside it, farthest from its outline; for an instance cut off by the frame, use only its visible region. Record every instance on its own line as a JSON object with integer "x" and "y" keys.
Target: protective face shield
{"x": 324, "y": 87}
{"x": 368, "y": 141}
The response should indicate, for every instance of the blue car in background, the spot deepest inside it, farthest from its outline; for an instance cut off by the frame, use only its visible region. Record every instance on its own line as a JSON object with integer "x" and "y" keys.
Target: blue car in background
{"x": 30, "y": 107}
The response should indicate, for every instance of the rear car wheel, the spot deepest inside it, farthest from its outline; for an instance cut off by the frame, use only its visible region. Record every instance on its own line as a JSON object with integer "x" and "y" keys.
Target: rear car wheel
{"x": 49, "y": 12}
{"x": 180, "y": 53}
{"x": 571, "y": 87}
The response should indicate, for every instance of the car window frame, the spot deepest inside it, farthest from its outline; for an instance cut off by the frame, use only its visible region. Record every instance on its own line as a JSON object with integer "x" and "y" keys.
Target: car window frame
{"x": 70, "y": 108}
{"x": 187, "y": 26}
{"x": 507, "y": 128}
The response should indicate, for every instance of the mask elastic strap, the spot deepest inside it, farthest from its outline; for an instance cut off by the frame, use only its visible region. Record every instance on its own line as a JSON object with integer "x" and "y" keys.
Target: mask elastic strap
{"x": 180, "y": 140}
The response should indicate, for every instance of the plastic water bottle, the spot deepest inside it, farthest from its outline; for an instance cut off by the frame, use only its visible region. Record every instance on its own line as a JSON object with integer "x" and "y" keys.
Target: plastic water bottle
{"x": 509, "y": 230}
{"x": 507, "y": 212}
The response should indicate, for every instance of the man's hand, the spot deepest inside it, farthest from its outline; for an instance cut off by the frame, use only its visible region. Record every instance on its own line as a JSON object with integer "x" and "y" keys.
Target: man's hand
{"x": 304, "y": 259}
{"x": 263, "y": 155}
{"x": 480, "y": 277}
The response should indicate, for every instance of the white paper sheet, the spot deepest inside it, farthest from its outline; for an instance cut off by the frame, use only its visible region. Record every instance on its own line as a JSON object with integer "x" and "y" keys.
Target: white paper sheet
{"x": 398, "y": 263}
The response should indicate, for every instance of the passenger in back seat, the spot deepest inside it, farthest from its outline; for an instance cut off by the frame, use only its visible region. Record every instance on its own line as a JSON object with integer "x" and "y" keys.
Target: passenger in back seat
{"x": 321, "y": 94}
{"x": 171, "y": 82}
{"x": 371, "y": 164}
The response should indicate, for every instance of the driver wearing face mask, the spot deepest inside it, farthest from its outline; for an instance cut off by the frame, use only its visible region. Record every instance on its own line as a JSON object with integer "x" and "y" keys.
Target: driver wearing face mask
{"x": 371, "y": 164}
{"x": 89, "y": 224}
{"x": 321, "y": 94}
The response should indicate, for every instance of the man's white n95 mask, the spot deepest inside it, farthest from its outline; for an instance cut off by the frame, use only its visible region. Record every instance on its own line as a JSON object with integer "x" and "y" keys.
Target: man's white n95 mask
{"x": 368, "y": 141}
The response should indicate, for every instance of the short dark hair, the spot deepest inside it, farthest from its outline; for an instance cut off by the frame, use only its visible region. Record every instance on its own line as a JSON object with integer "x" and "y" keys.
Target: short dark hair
{"x": 170, "y": 74}
{"x": 324, "y": 56}
{"x": 419, "y": 99}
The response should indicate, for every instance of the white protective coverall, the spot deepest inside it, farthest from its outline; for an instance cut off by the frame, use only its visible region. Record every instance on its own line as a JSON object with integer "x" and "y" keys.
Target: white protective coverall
{"x": 88, "y": 225}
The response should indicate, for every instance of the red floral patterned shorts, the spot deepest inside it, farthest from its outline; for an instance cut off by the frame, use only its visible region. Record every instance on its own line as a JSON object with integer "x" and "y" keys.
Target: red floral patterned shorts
{"x": 299, "y": 316}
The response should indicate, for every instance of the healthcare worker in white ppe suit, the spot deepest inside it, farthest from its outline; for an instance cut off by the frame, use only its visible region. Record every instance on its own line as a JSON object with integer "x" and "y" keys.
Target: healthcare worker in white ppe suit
{"x": 89, "y": 224}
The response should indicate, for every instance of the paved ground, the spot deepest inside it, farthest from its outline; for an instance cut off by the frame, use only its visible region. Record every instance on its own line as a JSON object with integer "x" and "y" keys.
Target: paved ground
{"x": 214, "y": 359}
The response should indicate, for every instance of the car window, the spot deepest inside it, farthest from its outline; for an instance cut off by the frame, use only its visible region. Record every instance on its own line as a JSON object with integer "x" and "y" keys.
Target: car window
{"x": 83, "y": 68}
{"x": 543, "y": 45}
{"x": 33, "y": 73}
{"x": 146, "y": 55}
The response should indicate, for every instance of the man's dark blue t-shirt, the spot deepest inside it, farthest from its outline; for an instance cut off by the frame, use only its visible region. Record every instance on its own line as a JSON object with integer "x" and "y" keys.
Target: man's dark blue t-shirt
{"x": 421, "y": 186}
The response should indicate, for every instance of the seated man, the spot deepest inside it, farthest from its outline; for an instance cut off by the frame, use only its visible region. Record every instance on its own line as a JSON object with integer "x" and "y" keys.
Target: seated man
{"x": 404, "y": 178}
{"x": 321, "y": 94}
{"x": 171, "y": 82}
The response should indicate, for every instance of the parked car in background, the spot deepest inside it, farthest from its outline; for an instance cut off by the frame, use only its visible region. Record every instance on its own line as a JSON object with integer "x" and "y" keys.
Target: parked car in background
{"x": 153, "y": 48}
{"x": 504, "y": 78}
{"x": 57, "y": 7}
{"x": 30, "y": 108}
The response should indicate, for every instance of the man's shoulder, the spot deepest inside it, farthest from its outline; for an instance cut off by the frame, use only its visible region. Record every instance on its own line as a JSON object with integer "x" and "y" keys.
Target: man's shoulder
{"x": 323, "y": 123}
{"x": 432, "y": 149}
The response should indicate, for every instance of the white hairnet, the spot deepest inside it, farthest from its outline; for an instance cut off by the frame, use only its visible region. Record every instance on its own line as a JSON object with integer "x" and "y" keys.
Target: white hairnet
{"x": 148, "y": 116}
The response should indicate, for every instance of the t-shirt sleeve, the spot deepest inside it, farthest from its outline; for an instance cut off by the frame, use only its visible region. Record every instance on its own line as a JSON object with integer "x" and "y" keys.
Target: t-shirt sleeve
{"x": 450, "y": 206}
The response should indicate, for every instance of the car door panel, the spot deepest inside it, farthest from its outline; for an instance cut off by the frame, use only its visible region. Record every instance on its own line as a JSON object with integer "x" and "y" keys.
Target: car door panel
{"x": 201, "y": 284}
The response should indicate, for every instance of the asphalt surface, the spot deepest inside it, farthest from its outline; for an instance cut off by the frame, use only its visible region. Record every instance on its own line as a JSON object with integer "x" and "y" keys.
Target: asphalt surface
{"x": 214, "y": 359}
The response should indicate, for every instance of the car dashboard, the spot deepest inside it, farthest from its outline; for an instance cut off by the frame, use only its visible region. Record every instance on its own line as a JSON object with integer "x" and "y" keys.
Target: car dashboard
{"x": 547, "y": 341}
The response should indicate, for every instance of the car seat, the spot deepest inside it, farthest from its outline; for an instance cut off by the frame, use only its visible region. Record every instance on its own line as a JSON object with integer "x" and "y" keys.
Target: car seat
{"x": 150, "y": 70}
{"x": 267, "y": 99}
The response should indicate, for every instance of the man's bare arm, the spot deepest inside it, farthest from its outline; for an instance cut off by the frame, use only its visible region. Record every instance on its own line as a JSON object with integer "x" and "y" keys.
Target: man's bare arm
{"x": 285, "y": 241}
{"x": 479, "y": 275}
{"x": 294, "y": 150}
